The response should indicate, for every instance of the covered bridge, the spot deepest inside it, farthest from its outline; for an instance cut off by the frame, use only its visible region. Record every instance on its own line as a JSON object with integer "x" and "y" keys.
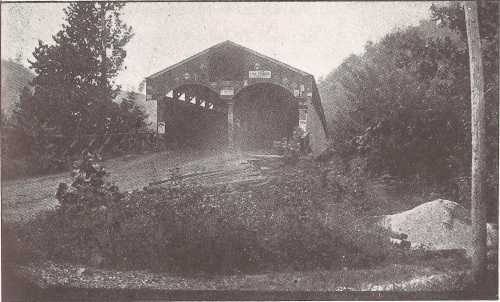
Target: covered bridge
{"x": 231, "y": 96}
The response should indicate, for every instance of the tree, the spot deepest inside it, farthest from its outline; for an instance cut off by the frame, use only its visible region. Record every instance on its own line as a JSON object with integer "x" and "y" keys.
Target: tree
{"x": 404, "y": 103}
{"x": 75, "y": 76}
{"x": 453, "y": 17}
{"x": 74, "y": 88}
{"x": 394, "y": 96}
{"x": 131, "y": 116}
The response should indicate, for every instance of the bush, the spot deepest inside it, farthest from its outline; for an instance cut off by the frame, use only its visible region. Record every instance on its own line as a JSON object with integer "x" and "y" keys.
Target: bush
{"x": 188, "y": 228}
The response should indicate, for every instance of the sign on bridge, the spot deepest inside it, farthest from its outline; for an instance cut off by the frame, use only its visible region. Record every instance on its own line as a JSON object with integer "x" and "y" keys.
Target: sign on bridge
{"x": 259, "y": 74}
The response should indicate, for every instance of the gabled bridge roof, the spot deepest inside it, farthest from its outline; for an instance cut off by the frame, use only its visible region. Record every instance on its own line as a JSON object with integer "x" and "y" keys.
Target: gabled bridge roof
{"x": 220, "y": 45}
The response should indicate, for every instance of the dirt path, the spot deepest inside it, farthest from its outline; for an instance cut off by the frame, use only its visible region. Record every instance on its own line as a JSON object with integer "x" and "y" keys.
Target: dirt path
{"x": 24, "y": 198}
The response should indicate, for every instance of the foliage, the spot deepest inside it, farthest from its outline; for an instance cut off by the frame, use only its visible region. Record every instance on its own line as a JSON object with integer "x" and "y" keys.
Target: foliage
{"x": 288, "y": 223}
{"x": 74, "y": 89}
{"x": 294, "y": 147}
{"x": 131, "y": 116}
{"x": 74, "y": 76}
{"x": 27, "y": 138}
{"x": 404, "y": 105}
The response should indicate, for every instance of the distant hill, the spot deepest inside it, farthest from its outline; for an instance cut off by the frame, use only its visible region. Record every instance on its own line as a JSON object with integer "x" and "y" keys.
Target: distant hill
{"x": 14, "y": 78}
{"x": 140, "y": 99}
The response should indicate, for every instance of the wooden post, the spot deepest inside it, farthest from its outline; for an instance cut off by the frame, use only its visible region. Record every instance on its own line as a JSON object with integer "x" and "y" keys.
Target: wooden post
{"x": 478, "y": 204}
{"x": 103, "y": 42}
{"x": 230, "y": 124}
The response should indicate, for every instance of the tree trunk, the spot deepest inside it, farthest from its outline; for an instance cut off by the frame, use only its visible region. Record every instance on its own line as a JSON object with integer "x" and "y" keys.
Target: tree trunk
{"x": 478, "y": 204}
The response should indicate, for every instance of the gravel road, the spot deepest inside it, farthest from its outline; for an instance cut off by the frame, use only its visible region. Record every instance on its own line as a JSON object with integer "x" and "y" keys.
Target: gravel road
{"x": 24, "y": 198}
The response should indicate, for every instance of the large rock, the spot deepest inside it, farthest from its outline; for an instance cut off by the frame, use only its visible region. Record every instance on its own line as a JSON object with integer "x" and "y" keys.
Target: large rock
{"x": 437, "y": 225}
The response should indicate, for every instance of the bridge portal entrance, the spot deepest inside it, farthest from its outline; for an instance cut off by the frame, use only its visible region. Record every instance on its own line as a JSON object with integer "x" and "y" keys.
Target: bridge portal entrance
{"x": 264, "y": 113}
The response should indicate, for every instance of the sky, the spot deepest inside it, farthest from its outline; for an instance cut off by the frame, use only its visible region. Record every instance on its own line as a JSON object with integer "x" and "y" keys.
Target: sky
{"x": 315, "y": 37}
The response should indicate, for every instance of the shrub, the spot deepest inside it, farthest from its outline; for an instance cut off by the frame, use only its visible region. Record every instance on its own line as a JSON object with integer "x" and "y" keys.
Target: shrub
{"x": 187, "y": 228}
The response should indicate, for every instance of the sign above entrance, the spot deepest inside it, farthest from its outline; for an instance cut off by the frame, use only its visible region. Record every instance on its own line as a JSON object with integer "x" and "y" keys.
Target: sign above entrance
{"x": 227, "y": 91}
{"x": 259, "y": 74}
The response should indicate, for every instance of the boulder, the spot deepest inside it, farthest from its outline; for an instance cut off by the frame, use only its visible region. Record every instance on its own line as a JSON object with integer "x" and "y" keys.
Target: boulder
{"x": 436, "y": 225}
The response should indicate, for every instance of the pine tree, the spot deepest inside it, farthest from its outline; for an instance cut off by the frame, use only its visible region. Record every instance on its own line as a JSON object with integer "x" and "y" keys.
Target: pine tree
{"x": 75, "y": 76}
{"x": 74, "y": 86}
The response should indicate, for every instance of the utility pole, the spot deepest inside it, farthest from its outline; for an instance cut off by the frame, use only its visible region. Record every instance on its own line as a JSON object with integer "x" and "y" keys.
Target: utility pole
{"x": 102, "y": 93}
{"x": 478, "y": 204}
{"x": 103, "y": 42}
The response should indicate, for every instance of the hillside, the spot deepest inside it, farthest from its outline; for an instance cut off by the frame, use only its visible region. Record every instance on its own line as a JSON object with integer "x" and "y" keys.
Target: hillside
{"x": 14, "y": 78}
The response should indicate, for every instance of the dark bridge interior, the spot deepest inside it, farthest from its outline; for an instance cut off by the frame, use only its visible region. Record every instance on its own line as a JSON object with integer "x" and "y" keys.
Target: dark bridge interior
{"x": 264, "y": 113}
{"x": 199, "y": 121}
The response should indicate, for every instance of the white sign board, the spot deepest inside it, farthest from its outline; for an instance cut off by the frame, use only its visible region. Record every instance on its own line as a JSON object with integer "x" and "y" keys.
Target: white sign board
{"x": 259, "y": 74}
{"x": 161, "y": 127}
{"x": 227, "y": 91}
{"x": 303, "y": 125}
